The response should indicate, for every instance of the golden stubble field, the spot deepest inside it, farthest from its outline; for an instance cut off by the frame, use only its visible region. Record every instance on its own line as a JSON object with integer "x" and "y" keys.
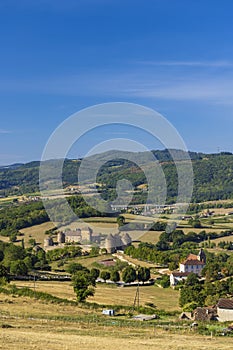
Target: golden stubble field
{"x": 29, "y": 324}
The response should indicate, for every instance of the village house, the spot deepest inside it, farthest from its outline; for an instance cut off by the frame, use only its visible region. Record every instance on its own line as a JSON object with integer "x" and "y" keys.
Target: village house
{"x": 194, "y": 263}
{"x": 225, "y": 310}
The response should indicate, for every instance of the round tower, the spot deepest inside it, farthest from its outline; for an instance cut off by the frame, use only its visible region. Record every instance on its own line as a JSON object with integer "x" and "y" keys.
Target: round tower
{"x": 61, "y": 237}
{"x": 110, "y": 243}
{"x": 126, "y": 239}
{"x": 48, "y": 242}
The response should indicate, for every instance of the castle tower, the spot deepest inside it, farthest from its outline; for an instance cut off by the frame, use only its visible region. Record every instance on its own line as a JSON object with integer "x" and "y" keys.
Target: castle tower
{"x": 110, "y": 244}
{"x": 61, "y": 237}
{"x": 48, "y": 242}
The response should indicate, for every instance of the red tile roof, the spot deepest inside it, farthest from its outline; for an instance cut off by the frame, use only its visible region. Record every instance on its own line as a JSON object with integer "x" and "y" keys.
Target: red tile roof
{"x": 192, "y": 259}
{"x": 192, "y": 262}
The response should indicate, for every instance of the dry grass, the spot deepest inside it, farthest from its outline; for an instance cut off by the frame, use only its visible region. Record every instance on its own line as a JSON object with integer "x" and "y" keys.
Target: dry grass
{"x": 57, "y": 337}
{"x": 151, "y": 237}
{"x": 37, "y": 232}
{"x": 166, "y": 299}
{"x": 38, "y": 326}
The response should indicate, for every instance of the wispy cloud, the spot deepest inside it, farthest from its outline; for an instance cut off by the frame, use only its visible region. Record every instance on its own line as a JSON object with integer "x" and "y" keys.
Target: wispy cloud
{"x": 204, "y": 86}
{"x": 3, "y": 131}
{"x": 204, "y": 64}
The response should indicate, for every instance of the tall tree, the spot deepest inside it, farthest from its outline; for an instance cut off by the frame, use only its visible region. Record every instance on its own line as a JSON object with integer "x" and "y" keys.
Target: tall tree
{"x": 83, "y": 284}
{"x": 143, "y": 274}
{"x": 129, "y": 274}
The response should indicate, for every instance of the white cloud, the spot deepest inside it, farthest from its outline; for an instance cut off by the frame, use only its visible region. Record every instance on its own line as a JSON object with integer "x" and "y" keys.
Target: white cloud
{"x": 183, "y": 85}
{"x": 3, "y": 131}
{"x": 205, "y": 64}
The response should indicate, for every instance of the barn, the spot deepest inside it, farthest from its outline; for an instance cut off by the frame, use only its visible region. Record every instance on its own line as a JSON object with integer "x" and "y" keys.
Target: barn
{"x": 225, "y": 310}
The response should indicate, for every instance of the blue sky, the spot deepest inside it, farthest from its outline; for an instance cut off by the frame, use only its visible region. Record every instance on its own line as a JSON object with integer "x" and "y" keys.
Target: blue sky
{"x": 57, "y": 57}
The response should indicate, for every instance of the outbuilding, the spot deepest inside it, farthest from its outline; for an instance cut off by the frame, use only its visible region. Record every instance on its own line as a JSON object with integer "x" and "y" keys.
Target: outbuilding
{"x": 110, "y": 312}
{"x": 225, "y": 310}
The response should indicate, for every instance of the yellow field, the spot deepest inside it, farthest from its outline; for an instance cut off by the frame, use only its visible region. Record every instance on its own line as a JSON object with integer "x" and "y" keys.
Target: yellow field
{"x": 166, "y": 299}
{"x": 27, "y": 325}
{"x": 37, "y": 232}
{"x": 151, "y": 237}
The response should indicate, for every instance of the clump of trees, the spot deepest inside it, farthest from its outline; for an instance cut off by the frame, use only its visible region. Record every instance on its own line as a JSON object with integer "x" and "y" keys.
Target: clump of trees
{"x": 131, "y": 274}
{"x": 195, "y": 293}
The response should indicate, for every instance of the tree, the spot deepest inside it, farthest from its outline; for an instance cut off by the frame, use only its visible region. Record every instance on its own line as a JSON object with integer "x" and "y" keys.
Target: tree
{"x": 115, "y": 276}
{"x": 12, "y": 253}
{"x": 190, "y": 306}
{"x": 120, "y": 220}
{"x": 1, "y": 255}
{"x": 105, "y": 275}
{"x": 4, "y": 277}
{"x": 32, "y": 242}
{"x": 192, "y": 291}
{"x": 143, "y": 274}
{"x": 95, "y": 273}
{"x": 129, "y": 274}
{"x": 192, "y": 279}
{"x": 74, "y": 267}
{"x": 173, "y": 266}
{"x": 83, "y": 284}
{"x": 94, "y": 251}
{"x": 18, "y": 268}
{"x": 13, "y": 237}
{"x": 165, "y": 281}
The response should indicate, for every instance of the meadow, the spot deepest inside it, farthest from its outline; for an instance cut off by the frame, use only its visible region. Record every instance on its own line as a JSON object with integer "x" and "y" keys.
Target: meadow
{"x": 166, "y": 299}
{"x": 36, "y": 325}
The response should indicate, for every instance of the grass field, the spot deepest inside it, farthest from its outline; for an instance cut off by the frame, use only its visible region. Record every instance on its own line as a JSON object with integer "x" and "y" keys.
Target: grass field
{"x": 166, "y": 299}
{"x": 27, "y": 325}
{"x": 37, "y": 232}
{"x": 105, "y": 294}
{"x": 151, "y": 237}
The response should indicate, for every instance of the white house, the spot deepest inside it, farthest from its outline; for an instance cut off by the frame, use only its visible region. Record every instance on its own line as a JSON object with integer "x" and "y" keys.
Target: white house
{"x": 194, "y": 263}
{"x": 177, "y": 277}
{"x": 225, "y": 310}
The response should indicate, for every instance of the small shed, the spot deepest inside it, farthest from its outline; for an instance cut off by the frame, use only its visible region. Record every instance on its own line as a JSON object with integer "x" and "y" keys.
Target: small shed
{"x": 109, "y": 312}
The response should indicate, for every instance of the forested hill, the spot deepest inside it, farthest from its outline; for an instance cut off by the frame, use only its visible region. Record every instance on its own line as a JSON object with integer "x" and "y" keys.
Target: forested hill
{"x": 213, "y": 174}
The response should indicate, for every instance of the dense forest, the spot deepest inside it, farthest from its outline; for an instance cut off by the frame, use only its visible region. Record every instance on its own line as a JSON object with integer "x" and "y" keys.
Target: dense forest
{"x": 213, "y": 175}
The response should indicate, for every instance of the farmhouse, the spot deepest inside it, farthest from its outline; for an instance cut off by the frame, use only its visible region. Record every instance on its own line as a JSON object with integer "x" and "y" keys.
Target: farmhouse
{"x": 225, "y": 310}
{"x": 194, "y": 263}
